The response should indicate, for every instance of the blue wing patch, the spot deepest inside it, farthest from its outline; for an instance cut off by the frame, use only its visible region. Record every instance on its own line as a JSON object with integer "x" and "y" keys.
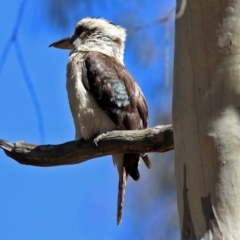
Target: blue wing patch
{"x": 119, "y": 93}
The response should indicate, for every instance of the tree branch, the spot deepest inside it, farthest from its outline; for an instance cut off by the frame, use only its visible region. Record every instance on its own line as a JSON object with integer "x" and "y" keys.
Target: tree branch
{"x": 157, "y": 139}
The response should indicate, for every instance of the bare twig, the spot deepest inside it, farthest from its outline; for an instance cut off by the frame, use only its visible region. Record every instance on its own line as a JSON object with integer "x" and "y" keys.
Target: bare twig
{"x": 14, "y": 34}
{"x": 165, "y": 18}
{"x": 157, "y": 139}
{"x": 180, "y": 9}
{"x": 32, "y": 92}
{"x": 13, "y": 41}
{"x": 181, "y": 6}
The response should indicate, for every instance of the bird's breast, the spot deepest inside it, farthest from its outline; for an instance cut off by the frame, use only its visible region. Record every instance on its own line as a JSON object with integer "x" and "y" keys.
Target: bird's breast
{"x": 89, "y": 119}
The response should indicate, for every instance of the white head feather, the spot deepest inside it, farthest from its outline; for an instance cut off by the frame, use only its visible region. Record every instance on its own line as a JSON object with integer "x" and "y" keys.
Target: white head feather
{"x": 99, "y": 35}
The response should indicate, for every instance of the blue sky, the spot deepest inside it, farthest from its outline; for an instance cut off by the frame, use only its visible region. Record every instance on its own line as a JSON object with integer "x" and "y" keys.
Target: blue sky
{"x": 69, "y": 202}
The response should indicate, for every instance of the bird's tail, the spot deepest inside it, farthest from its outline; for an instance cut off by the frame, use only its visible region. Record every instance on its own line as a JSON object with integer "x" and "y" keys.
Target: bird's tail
{"x": 118, "y": 161}
{"x": 121, "y": 192}
{"x": 127, "y": 164}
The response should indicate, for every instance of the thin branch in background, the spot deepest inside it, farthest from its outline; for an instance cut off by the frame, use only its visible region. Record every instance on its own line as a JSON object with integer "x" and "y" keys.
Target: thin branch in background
{"x": 167, "y": 53}
{"x": 5, "y": 54}
{"x": 155, "y": 22}
{"x": 31, "y": 90}
{"x": 18, "y": 20}
{"x": 181, "y": 6}
{"x": 13, "y": 40}
{"x": 180, "y": 9}
{"x": 13, "y": 37}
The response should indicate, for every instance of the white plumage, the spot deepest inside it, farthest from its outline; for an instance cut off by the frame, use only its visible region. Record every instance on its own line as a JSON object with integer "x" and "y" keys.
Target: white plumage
{"x": 102, "y": 94}
{"x": 89, "y": 119}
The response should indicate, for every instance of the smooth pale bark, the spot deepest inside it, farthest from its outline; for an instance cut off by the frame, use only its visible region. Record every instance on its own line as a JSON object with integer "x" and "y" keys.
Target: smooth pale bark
{"x": 206, "y": 119}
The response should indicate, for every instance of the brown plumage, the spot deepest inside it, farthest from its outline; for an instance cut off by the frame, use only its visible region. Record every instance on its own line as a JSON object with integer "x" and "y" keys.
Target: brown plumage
{"x": 119, "y": 96}
{"x": 102, "y": 94}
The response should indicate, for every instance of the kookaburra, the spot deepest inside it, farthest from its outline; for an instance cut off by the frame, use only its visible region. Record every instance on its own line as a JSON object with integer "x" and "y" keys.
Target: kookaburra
{"x": 102, "y": 94}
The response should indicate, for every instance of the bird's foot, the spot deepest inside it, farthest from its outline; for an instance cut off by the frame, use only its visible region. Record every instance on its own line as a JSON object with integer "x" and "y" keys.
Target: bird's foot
{"x": 98, "y": 138}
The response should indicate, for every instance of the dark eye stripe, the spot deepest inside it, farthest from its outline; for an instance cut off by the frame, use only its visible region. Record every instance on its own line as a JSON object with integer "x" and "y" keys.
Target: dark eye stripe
{"x": 79, "y": 30}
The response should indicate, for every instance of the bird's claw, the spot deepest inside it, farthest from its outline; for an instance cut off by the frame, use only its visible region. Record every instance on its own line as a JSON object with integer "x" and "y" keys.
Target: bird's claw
{"x": 98, "y": 138}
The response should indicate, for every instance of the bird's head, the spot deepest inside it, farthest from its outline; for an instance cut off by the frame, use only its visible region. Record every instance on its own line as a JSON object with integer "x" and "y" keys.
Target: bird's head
{"x": 95, "y": 34}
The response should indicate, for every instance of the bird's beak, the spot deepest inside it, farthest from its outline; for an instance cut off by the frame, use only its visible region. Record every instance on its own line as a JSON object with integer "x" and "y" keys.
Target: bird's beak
{"x": 64, "y": 43}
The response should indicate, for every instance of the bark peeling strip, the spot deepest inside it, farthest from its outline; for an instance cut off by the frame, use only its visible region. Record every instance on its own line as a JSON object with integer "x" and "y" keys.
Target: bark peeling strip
{"x": 212, "y": 225}
{"x": 188, "y": 232}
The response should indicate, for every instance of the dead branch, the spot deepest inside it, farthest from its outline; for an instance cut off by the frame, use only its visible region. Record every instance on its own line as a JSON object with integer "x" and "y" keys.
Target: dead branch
{"x": 157, "y": 139}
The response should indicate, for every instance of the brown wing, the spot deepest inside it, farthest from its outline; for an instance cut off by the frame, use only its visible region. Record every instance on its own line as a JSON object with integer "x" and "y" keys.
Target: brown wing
{"x": 115, "y": 91}
{"x": 118, "y": 94}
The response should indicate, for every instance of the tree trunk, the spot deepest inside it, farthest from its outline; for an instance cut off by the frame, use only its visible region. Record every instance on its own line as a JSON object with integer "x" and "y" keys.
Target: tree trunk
{"x": 206, "y": 119}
